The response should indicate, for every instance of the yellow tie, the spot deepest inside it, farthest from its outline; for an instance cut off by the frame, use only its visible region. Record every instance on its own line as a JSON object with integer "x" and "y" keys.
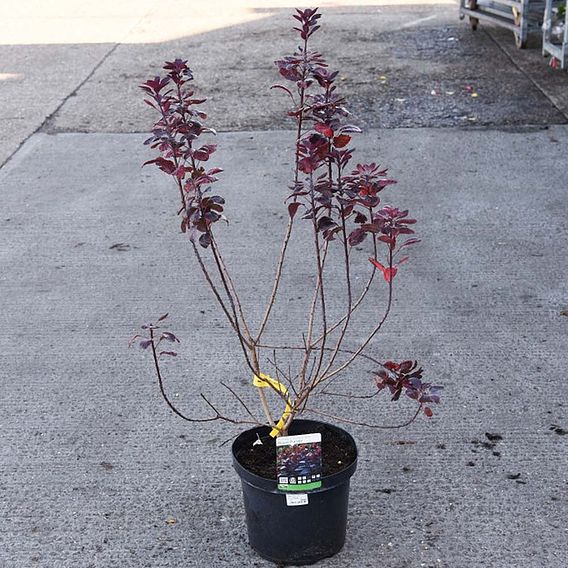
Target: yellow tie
{"x": 266, "y": 381}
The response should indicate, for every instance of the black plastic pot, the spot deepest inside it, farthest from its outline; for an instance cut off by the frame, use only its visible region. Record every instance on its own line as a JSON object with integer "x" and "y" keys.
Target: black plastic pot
{"x": 300, "y": 534}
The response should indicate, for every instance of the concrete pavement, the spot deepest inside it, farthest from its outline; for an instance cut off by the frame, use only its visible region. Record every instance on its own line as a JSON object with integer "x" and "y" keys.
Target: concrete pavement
{"x": 97, "y": 472}
{"x": 69, "y": 68}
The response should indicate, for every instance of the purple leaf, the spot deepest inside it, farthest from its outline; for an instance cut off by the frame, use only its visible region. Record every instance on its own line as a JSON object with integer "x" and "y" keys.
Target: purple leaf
{"x": 356, "y": 237}
{"x": 170, "y": 353}
{"x": 170, "y": 336}
{"x": 205, "y": 240}
{"x": 293, "y": 208}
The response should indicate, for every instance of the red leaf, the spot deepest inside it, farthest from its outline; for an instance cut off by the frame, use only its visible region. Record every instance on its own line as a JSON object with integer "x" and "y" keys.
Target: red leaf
{"x": 341, "y": 140}
{"x": 376, "y": 263}
{"x": 306, "y": 165}
{"x": 428, "y": 412}
{"x": 293, "y": 209}
{"x": 370, "y": 227}
{"x": 165, "y": 165}
{"x": 323, "y": 129}
{"x": 388, "y": 272}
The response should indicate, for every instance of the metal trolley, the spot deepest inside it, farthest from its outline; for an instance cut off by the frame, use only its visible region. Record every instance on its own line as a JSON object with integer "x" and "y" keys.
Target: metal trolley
{"x": 556, "y": 50}
{"x": 510, "y": 14}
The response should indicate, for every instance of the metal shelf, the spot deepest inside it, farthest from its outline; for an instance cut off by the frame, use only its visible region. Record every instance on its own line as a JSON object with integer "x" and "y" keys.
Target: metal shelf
{"x": 558, "y": 51}
{"x": 509, "y": 14}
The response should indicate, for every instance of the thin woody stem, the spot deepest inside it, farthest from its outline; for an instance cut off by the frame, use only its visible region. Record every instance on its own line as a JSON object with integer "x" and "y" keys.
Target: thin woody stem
{"x": 163, "y": 391}
{"x": 349, "y": 298}
{"x": 307, "y": 340}
{"x": 244, "y": 341}
{"x": 359, "y": 300}
{"x": 261, "y": 393}
{"x": 230, "y": 285}
{"x": 369, "y": 338}
{"x": 232, "y": 391}
{"x": 225, "y": 418}
{"x": 356, "y": 396}
{"x": 321, "y": 264}
{"x": 254, "y": 366}
{"x": 218, "y": 415}
{"x": 288, "y": 233}
{"x": 280, "y": 371}
{"x": 276, "y": 283}
{"x": 366, "y": 424}
{"x": 213, "y": 287}
{"x": 298, "y": 348}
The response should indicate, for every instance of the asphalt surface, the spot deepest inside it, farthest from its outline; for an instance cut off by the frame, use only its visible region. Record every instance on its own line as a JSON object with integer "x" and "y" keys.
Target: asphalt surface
{"x": 96, "y": 472}
{"x": 77, "y": 69}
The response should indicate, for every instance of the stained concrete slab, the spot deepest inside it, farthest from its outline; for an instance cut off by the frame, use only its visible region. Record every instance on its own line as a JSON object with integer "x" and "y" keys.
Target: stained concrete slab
{"x": 537, "y": 68}
{"x": 35, "y": 80}
{"x": 400, "y": 66}
{"x": 48, "y": 49}
{"x": 95, "y": 470}
{"x": 70, "y": 68}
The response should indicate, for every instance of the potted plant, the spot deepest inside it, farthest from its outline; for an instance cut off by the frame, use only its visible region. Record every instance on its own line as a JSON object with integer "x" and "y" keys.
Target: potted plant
{"x": 297, "y": 517}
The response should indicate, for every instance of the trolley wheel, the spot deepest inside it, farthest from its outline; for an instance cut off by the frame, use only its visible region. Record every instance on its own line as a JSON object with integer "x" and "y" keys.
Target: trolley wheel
{"x": 520, "y": 42}
{"x": 473, "y": 23}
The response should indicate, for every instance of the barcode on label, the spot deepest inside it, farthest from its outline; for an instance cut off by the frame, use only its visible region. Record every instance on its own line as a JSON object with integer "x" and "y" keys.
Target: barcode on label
{"x": 295, "y": 499}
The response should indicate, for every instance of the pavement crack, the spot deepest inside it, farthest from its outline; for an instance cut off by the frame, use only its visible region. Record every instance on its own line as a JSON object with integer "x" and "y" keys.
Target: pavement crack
{"x": 44, "y": 126}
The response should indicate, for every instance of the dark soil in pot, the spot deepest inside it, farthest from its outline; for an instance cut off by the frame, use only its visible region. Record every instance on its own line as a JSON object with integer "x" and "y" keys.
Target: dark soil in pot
{"x": 337, "y": 453}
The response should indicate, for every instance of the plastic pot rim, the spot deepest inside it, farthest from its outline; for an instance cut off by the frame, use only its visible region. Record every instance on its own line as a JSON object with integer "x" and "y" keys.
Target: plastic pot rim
{"x": 271, "y": 485}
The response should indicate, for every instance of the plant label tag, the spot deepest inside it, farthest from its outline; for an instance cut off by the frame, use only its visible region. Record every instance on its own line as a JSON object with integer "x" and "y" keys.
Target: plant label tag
{"x": 295, "y": 499}
{"x": 298, "y": 462}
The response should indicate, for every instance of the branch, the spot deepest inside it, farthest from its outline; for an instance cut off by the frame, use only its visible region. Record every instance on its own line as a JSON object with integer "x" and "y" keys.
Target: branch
{"x": 213, "y": 287}
{"x": 279, "y": 372}
{"x": 162, "y": 390}
{"x": 225, "y": 418}
{"x": 307, "y": 341}
{"x": 244, "y": 342}
{"x": 228, "y": 283}
{"x": 356, "y": 396}
{"x": 278, "y": 276}
{"x": 365, "y": 424}
{"x": 349, "y": 296}
{"x": 242, "y": 403}
{"x": 368, "y": 340}
{"x": 276, "y": 283}
{"x": 359, "y": 300}
{"x": 298, "y": 348}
